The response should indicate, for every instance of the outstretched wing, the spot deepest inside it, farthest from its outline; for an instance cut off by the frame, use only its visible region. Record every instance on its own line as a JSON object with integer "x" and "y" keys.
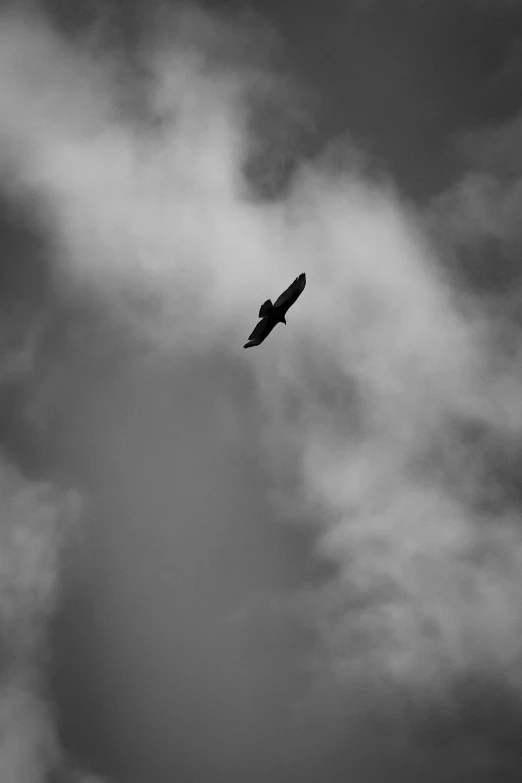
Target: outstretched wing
{"x": 261, "y": 331}
{"x": 288, "y": 297}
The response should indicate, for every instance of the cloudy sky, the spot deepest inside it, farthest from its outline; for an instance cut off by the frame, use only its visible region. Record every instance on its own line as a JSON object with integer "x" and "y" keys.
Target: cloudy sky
{"x": 299, "y": 563}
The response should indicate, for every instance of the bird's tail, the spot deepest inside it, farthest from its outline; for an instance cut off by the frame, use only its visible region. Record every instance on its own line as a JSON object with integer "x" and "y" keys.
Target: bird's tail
{"x": 265, "y": 307}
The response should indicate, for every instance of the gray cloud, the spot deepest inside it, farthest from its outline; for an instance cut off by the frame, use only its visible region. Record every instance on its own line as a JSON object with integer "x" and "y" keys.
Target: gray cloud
{"x": 35, "y": 519}
{"x": 383, "y": 405}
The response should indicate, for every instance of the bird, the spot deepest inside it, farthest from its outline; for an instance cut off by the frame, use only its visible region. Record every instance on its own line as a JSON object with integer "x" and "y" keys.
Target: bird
{"x": 272, "y": 314}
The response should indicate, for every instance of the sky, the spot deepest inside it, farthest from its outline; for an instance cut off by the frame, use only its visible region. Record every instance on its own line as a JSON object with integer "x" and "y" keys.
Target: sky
{"x": 299, "y": 563}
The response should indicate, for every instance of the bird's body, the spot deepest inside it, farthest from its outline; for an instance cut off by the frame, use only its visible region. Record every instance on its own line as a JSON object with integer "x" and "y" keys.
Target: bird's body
{"x": 273, "y": 314}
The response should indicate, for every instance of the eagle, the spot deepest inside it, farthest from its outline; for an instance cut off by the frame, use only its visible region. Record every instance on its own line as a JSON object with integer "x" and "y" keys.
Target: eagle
{"x": 272, "y": 314}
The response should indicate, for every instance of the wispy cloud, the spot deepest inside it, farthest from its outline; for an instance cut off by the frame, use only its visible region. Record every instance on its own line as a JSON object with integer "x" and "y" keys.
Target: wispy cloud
{"x": 34, "y": 522}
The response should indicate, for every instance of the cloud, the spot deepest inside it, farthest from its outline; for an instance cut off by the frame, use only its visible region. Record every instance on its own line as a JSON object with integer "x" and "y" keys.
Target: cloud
{"x": 385, "y": 404}
{"x": 34, "y": 519}
{"x": 38, "y": 532}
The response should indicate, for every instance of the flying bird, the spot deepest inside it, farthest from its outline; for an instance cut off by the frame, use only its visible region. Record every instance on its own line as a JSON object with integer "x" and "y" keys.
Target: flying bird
{"x": 272, "y": 314}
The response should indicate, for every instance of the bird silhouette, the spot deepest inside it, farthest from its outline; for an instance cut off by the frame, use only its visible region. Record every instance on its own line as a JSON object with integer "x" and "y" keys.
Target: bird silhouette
{"x": 272, "y": 314}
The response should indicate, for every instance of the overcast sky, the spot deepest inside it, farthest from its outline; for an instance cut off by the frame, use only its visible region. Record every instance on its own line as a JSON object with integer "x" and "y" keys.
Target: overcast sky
{"x": 303, "y": 562}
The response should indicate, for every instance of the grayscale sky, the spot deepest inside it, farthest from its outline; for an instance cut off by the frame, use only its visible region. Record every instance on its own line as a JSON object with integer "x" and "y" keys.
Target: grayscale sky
{"x": 300, "y": 563}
